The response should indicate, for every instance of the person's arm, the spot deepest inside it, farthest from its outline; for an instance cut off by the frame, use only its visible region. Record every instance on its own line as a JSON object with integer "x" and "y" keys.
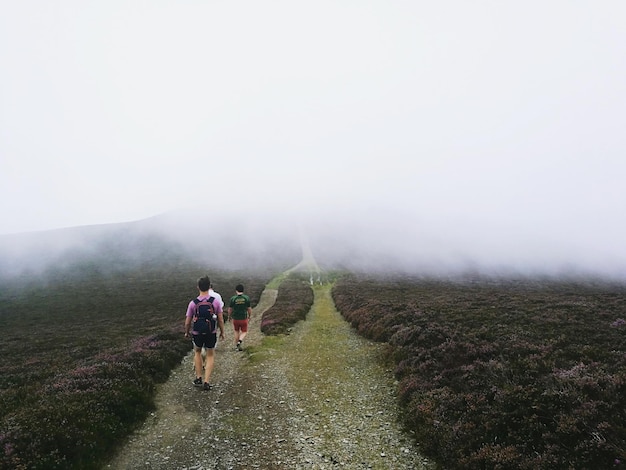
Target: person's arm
{"x": 249, "y": 312}
{"x": 220, "y": 316}
{"x": 187, "y": 326}
{"x": 220, "y": 323}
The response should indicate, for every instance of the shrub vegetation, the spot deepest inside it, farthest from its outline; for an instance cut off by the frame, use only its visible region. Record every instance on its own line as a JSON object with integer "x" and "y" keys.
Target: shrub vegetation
{"x": 82, "y": 349}
{"x": 295, "y": 298}
{"x": 503, "y": 374}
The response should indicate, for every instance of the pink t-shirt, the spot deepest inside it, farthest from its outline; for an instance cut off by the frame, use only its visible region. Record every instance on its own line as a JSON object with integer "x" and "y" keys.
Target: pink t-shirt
{"x": 191, "y": 309}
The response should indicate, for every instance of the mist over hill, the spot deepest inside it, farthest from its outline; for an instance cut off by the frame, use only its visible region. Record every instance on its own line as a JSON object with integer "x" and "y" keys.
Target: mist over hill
{"x": 370, "y": 238}
{"x": 379, "y": 238}
{"x": 225, "y": 242}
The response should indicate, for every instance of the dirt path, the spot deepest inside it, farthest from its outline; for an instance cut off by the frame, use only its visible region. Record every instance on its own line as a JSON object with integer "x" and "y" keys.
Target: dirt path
{"x": 316, "y": 399}
{"x": 175, "y": 434}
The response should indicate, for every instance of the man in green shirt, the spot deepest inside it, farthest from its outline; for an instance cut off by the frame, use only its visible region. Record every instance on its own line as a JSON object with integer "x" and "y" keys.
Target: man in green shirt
{"x": 239, "y": 311}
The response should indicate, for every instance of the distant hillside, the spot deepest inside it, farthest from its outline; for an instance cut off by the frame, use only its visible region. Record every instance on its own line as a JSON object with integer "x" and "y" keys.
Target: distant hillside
{"x": 366, "y": 238}
{"x": 226, "y": 242}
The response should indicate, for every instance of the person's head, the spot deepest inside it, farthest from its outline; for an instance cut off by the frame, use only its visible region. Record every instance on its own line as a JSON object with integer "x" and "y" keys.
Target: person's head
{"x": 239, "y": 287}
{"x": 204, "y": 283}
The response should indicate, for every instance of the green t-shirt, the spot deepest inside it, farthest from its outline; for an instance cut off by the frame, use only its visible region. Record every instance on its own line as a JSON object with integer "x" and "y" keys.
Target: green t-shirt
{"x": 239, "y": 304}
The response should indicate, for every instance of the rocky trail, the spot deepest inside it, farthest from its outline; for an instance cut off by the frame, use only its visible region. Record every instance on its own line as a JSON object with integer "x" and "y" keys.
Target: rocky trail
{"x": 319, "y": 398}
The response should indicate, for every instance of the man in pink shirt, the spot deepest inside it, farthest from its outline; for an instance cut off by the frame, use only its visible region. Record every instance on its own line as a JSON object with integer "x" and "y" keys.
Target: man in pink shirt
{"x": 204, "y": 316}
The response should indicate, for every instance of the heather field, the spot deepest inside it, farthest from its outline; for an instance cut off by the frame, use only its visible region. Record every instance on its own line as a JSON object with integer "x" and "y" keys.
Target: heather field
{"x": 493, "y": 373}
{"x": 79, "y": 359}
{"x": 293, "y": 302}
{"x": 88, "y": 332}
{"x": 503, "y": 374}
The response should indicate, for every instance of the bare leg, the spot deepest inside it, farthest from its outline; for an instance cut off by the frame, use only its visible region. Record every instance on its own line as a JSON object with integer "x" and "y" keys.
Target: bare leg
{"x": 242, "y": 334}
{"x": 197, "y": 361}
{"x": 208, "y": 366}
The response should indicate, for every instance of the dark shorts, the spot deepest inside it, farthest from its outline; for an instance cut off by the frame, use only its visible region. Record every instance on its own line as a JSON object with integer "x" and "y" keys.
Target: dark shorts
{"x": 207, "y": 341}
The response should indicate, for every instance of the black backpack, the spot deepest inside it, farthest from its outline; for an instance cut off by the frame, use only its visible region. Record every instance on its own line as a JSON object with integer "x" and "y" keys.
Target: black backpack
{"x": 205, "y": 319}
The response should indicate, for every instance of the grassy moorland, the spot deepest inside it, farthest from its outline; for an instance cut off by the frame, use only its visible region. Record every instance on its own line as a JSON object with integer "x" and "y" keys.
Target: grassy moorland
{"x": 494, "y": 374}
{"x": 503, "y": 374}
{"x": 293, "y": 302}
{"x": 85, "y": 340}
{"x": 79, "y": 360}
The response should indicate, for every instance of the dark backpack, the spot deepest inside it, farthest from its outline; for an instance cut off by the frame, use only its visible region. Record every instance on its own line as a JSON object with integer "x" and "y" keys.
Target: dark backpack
{"x": 205, "y": 319}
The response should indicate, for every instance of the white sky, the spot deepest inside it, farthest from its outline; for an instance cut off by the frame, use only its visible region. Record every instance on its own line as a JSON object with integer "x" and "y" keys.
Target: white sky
{"x": 496, "y": 113}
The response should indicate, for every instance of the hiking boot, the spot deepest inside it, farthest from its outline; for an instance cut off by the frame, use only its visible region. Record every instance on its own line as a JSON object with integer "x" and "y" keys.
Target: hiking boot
{"x": 207, "y": 386}
{"x": 239, "y": 346}
{"x": 198, "y": 382}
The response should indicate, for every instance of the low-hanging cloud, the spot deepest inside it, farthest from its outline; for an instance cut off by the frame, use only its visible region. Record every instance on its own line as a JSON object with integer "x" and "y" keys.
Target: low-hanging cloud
{"x": 438, "y": 135}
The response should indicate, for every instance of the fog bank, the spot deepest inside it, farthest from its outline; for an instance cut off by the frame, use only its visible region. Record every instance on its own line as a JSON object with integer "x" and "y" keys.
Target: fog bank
{"x": 431, "y": 135}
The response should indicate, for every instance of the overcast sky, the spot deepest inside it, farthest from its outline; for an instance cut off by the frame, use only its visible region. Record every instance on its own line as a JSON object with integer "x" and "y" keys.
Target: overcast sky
{"x": 502, "y": 117}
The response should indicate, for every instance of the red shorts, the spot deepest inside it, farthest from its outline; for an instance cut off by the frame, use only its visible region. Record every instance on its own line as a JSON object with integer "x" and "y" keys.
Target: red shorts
{"x": 240, "y": 325}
